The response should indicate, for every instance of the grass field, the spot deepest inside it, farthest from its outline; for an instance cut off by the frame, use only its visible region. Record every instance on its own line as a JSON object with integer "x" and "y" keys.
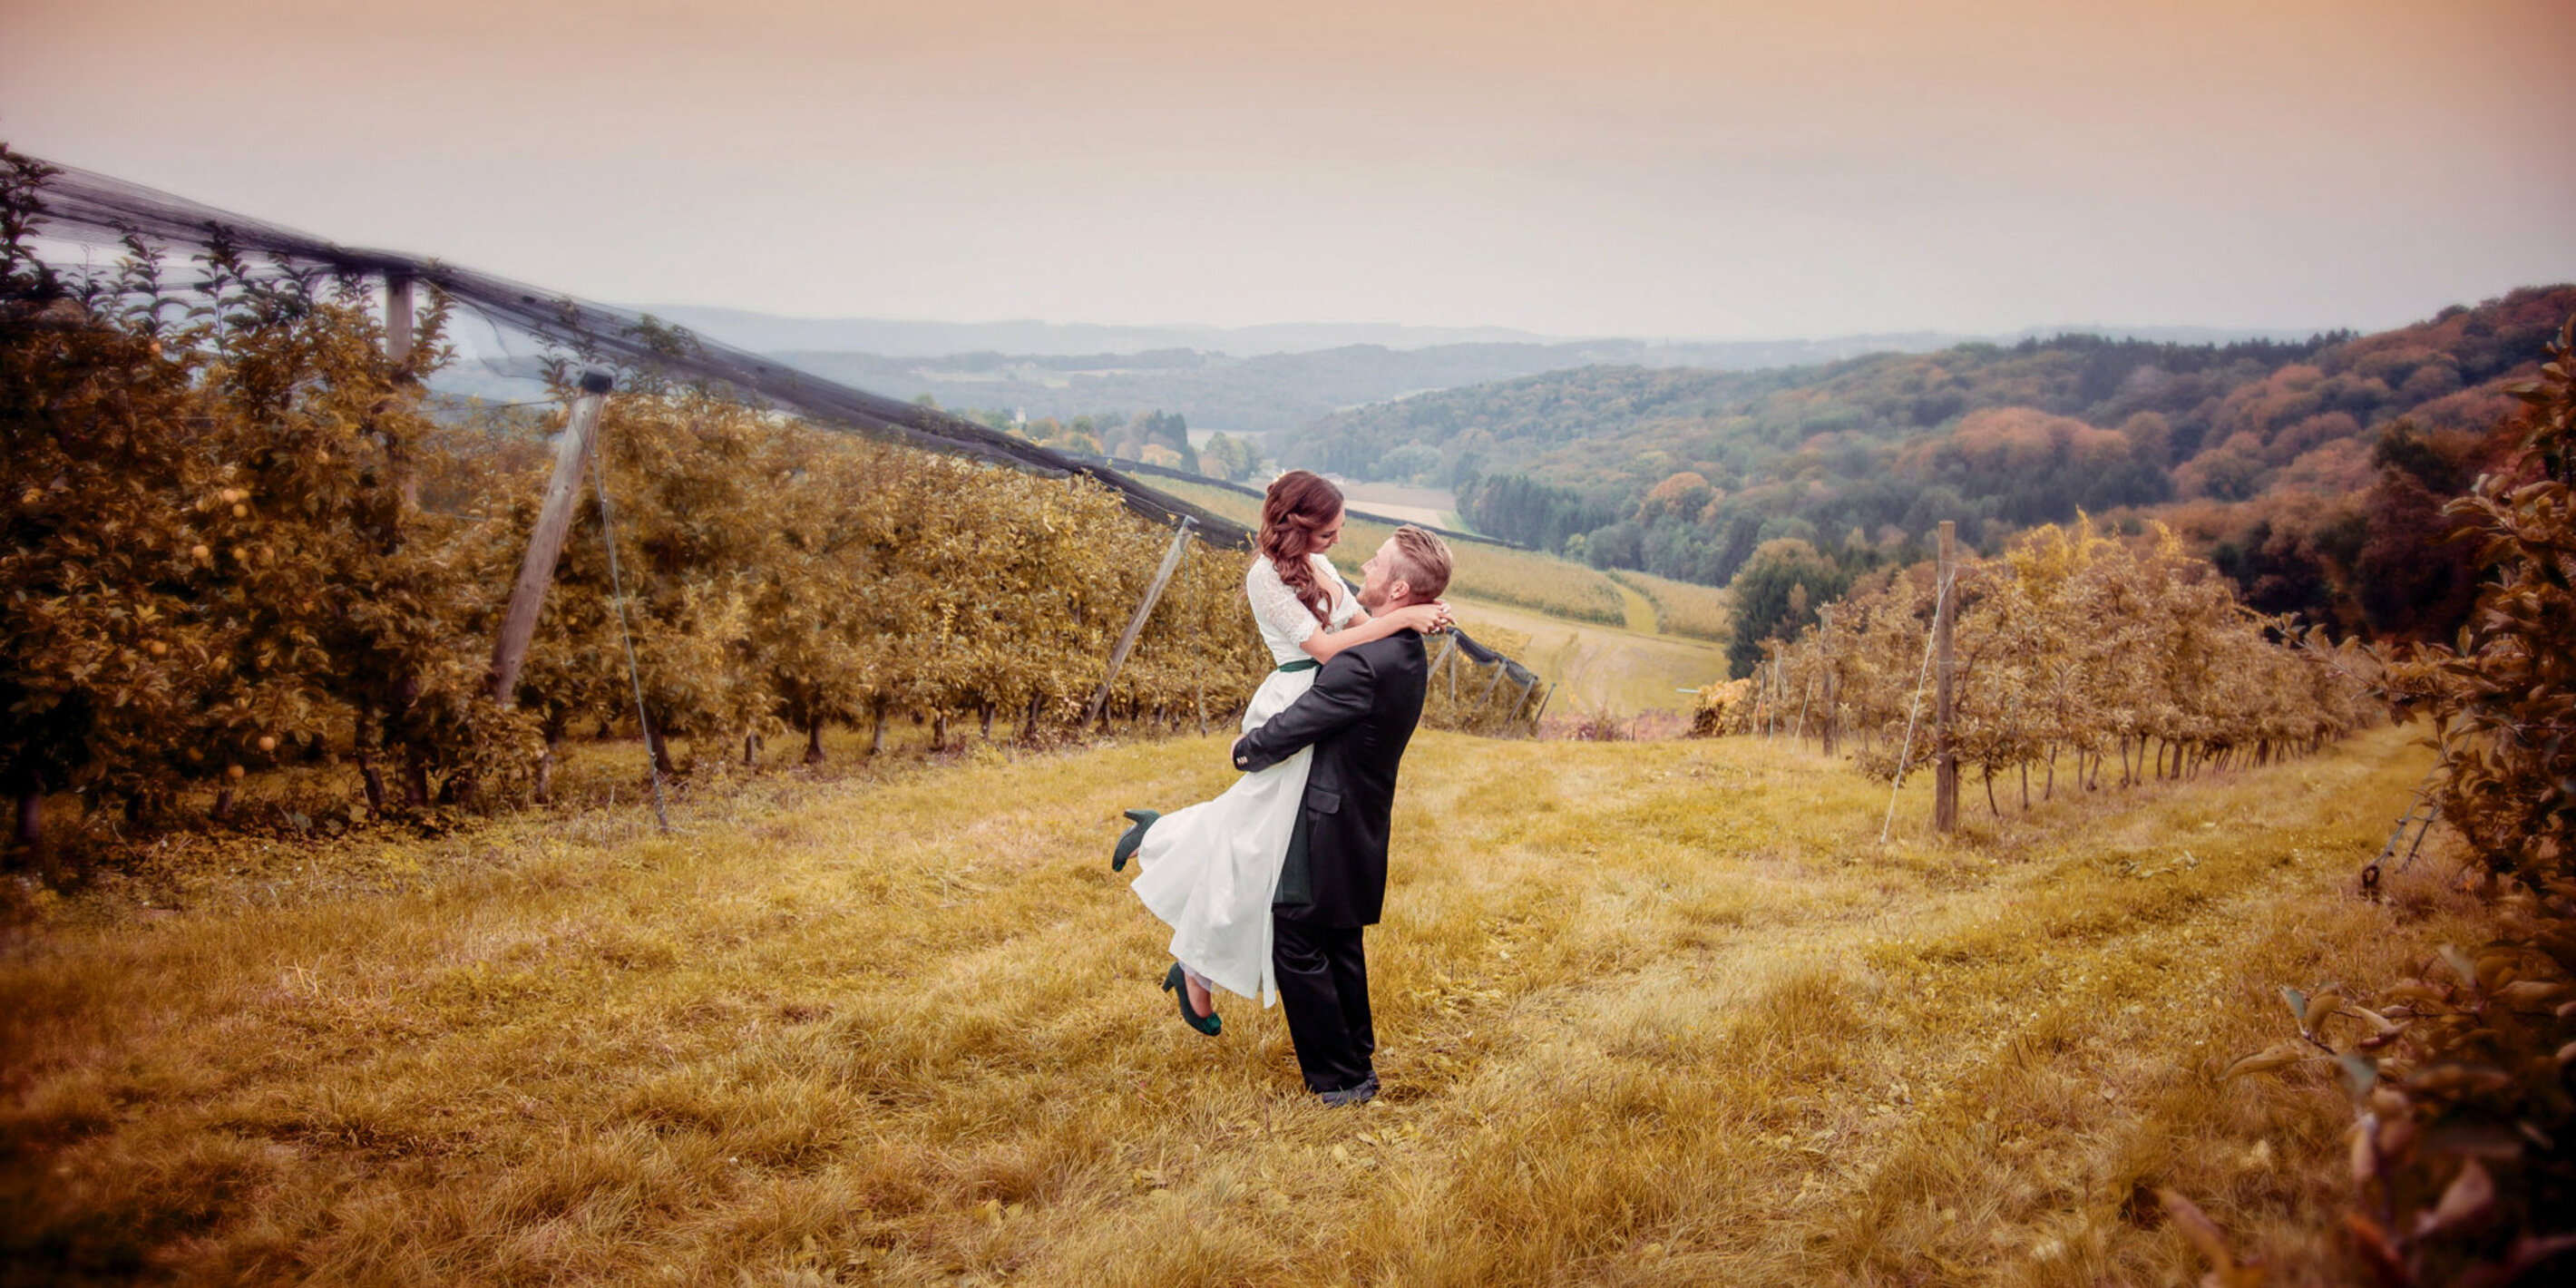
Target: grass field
{"x": 1600, "y": 670}
{"x": 1681, "y": 607}
{"x": 1650, "y": 1013}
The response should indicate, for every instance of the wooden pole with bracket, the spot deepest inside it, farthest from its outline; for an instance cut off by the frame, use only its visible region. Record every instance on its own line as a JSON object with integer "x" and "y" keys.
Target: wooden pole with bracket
{"x": 1136, "y": 624}
{"x": 545, "y": 543}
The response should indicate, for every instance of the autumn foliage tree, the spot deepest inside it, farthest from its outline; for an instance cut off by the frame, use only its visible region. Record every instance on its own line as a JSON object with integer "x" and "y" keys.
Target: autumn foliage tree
{"x": 213, "y": 547}
{"x": 2463, "y": 1141}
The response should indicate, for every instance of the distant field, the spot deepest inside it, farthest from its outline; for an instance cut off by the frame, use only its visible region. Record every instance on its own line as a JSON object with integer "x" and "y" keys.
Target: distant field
{"x": 1435, "y": 506}
{"x": 1599, "y": 669}
{"x": 1494, "y": 573}
{"x": 1682, "y": 607}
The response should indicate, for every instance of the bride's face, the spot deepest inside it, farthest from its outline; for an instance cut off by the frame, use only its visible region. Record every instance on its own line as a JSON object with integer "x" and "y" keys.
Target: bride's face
{"x": 1326, "y": 535}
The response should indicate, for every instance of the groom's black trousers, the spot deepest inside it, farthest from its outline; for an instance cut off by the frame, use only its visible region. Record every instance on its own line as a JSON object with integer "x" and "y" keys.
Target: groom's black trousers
{"x": 1323, "y": 985}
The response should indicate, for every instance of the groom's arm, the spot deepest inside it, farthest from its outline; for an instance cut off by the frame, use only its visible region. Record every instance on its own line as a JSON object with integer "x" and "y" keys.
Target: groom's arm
{"x": 1344, "y": 691}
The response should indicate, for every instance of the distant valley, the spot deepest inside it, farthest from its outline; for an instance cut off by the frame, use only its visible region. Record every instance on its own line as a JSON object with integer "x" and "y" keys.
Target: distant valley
{"x": 1242, "y": 380}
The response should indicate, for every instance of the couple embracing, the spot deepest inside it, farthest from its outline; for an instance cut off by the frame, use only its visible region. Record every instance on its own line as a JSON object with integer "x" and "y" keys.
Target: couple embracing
{"x": 1268, "y": 887}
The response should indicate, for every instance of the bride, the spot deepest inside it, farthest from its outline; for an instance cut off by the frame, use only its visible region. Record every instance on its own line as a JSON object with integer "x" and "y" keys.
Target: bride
{"x": 1209, "y": 870}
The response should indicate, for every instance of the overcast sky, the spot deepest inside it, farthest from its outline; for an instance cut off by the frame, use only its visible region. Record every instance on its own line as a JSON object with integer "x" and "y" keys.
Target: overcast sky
{"x": 1602, "y": 167}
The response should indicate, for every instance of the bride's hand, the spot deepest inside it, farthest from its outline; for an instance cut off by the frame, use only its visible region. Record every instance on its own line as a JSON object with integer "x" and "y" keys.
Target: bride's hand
{"x": 1429, "y": 618}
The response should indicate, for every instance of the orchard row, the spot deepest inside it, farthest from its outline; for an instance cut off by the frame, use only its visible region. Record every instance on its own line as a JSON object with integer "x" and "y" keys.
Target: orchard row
{"x": 230, "y": 535}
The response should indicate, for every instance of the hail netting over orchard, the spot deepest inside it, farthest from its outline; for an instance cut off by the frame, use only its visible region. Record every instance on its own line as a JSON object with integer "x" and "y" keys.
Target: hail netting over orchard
{"x": 87, "y": 207}
{"x": 102, "y": 210}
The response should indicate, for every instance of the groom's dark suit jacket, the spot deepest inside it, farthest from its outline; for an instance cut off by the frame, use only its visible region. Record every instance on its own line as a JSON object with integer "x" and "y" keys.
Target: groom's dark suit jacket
{"x": 1358, "y": 717}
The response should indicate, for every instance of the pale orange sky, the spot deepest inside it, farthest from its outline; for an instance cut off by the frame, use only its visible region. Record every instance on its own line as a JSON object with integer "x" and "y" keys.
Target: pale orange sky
{"x": 1671, "y": 169}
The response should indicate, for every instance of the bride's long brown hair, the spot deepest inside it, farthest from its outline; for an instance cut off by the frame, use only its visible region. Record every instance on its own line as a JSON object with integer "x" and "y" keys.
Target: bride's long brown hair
{"x": 1301, "y": 503}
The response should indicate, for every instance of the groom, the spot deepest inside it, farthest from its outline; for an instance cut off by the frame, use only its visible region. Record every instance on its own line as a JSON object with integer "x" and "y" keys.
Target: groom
{"x": 1358, "y": 717}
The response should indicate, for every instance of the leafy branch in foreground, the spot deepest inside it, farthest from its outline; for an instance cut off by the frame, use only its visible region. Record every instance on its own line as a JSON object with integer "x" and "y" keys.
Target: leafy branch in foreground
{"x": 2464, "y": 1139}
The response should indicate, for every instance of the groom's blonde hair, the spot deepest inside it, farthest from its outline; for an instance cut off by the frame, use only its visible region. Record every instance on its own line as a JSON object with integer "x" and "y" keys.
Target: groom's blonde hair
{"x": 1421, "y": 562}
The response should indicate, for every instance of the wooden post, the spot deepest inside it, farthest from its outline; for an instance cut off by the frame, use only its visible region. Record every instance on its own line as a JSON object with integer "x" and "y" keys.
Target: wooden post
{"x": 1541, "y": 713}
{"x": 1136, "y": 625}
{"x": 1825, "y": 648}
{"x": 398, "y": 317}
{"x": 1764, "y": 694}
{"x": 545, "y": 544}
{"x": 1945, "y": 751}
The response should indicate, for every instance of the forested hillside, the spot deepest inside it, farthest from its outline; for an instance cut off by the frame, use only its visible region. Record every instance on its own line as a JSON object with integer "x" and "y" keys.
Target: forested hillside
{"x": 1279, "y": 391}
{"x": 2312, "y": 471}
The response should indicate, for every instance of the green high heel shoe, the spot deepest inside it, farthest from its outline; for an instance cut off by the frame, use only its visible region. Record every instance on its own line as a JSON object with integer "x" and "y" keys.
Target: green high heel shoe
{"x": 1131, "y": 838}
{"x": 1178, "y": 985}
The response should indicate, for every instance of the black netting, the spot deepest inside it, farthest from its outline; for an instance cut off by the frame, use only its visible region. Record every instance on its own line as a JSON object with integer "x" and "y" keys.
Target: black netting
{"x": 83, "y": 206}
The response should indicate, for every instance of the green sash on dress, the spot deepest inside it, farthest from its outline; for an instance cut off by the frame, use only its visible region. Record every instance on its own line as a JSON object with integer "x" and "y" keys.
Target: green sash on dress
{"x": 1301, "y": 664}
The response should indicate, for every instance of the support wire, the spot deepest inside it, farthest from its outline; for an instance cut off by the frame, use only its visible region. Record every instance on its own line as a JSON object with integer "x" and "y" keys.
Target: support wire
{"x": 1905, "y": 753}
{"x": 634, "y": 674}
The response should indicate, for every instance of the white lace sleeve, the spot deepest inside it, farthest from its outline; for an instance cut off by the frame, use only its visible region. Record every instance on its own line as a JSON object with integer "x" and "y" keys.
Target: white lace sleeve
{"x": 1276, "y": 606}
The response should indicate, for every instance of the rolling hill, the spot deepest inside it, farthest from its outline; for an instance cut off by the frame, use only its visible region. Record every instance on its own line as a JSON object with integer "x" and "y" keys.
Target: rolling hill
{"x": 1685, "y": 473}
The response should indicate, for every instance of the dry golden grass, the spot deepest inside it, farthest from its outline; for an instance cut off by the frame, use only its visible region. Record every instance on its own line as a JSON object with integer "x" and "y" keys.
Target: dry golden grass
{"x": 1651, "y": 1013}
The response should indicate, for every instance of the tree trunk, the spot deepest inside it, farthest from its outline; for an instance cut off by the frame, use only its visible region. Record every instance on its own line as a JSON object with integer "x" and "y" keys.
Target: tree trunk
{"x": 365, "y": 750}
{"x": 415, "y": 781}
{"x": 985, "y": 711}
{"x": 939, "y": 731}
{"x": 750, "y": 750}
{"x": 546, "y": 768}
{"x": 30, "y": 835}
{"x": 1991, "y": 807}
{"x": 814, "y": 741}
{"x": 876, "y": 729}
{"x": 2025, "y": 787}
{"x": 223, "y": 810}
{"x": 661, "y": 749}
{"x": 1029, "y": 727}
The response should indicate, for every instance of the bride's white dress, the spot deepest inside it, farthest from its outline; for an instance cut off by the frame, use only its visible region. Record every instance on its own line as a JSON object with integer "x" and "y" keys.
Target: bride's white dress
{"x": 1210, "y": 869}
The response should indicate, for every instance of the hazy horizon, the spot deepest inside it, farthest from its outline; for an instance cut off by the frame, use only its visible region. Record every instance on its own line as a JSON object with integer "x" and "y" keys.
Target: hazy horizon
{"x": 1716, "y": 172}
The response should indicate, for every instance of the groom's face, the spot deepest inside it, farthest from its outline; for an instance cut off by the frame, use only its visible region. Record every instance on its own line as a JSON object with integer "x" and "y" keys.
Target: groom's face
{"x": 1379, "y": 589}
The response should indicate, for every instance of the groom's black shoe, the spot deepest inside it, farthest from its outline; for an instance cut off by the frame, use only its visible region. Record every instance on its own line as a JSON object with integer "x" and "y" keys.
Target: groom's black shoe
{"x": 1179, "y": 985}
{"x": 1131, "y": 838}
{"x": 1361, "y": 1094}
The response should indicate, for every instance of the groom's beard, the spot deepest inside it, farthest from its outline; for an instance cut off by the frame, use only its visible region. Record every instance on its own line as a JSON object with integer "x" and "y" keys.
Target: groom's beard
{"x": 1383, "y": 602}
